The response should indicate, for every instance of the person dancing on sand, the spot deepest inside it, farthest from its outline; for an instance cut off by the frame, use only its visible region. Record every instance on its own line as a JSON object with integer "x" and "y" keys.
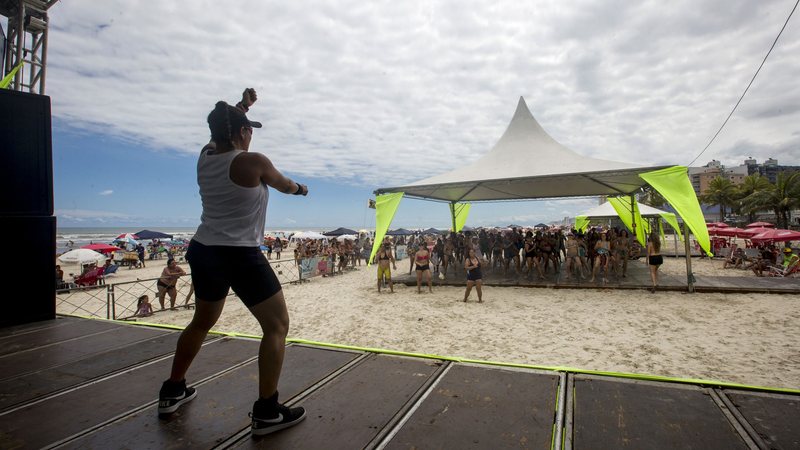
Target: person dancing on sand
{"x": 423, "y": 267}
{"x": 384, "y": 257}
{"x": 224, "y": 253}
{"x": 168, "y": 281}
{"x": 654, "y": 258}
{"x": 603, "y": 250}
{"x": 472, "y": 264}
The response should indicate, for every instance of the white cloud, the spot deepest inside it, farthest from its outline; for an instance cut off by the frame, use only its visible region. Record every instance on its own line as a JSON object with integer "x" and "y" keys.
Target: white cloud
{"x": 106, "y": 192}
{"x": 384, "y": 93}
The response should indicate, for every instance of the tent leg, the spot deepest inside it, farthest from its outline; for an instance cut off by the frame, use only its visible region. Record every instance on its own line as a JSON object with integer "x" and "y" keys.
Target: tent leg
{"x": 453, "y": 214}
{"x": 675, "y": 237}
{"x": 633, "y": 217}
{"x": 689, "y": 274}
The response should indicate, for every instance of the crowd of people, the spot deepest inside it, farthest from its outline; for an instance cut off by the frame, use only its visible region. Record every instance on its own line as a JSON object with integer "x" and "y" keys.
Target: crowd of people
{"x": 339, "y": 253}
{"x": 768, "y": 260}
{"x": 518, "y": 252}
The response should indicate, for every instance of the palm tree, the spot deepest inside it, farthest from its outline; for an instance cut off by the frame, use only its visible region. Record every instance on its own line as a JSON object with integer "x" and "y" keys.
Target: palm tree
{"x": 750, "y": 184}
{"x": 720, "y": 192}
{"x": 782, "y": 198}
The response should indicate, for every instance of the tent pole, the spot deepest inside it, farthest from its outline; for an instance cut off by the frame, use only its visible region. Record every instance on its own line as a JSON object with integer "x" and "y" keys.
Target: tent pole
{"x": 633, "y": 217}
{"x": 453, "y": 215}
{"x": 675, "y": 237}
{"x": 689, "y": 274}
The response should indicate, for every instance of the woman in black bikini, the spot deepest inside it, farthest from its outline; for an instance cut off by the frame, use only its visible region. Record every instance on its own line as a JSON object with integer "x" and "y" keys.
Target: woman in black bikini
{"x": 472, "y": 264}
{"x": 422, "y": 261}
{"x": 654, "y": 258}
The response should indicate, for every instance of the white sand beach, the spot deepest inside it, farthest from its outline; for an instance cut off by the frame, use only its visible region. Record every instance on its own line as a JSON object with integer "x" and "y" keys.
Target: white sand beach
{"x": 748, "y": 339}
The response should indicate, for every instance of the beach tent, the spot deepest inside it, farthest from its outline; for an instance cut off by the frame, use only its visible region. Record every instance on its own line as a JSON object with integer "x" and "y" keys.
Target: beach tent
{"x": 308, "y": 235}
{"x": 527, "y": 163}
{"x": 147, "y": 234}
{"x": 400, "y": 232}
{"x": 340, "y": 231}
{"x": 622, "y": 210}
{"x": 434, "y": 231}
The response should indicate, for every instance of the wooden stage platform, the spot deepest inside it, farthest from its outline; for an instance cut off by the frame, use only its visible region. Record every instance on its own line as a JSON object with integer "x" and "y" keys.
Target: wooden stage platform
{"x": 90, "y": 384}
{"x": 637, "y": 277}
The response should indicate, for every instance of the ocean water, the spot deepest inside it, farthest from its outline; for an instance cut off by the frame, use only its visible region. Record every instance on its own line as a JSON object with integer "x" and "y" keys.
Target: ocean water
{"x": 85, "y": 236}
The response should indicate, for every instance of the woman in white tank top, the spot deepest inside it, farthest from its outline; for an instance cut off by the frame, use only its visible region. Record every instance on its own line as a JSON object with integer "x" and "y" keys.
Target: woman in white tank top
{"x": 224, "y": 254}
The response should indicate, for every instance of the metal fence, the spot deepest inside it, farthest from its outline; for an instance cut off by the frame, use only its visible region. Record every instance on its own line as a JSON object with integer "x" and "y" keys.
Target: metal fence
{"x": 120, "y": 300}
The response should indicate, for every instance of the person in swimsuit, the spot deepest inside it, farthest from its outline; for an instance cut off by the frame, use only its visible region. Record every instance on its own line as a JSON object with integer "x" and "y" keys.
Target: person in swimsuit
{"x": 531, "y": 259}
{"x": 166, "y": 284}
{"x": 472, "y": 264}
{"x": 654, "y": 258}
{"x": 411, "y": 249}
{"x": 224, "y": 254}
{"x": 385, "y": 257}
{"x": 573, "y": 258}
{"x": 603, "y": 250}
{"x": 623, "y": 247}
{"x": 422, "y": 261}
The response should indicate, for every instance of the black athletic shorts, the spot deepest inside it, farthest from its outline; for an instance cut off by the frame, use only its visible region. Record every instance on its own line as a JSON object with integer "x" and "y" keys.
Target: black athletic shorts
{"x": 215, "y": 269}
{"x": 656, "y": 260}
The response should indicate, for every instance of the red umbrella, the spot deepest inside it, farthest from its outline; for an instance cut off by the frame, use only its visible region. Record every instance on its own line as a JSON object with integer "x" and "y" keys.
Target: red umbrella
{"x": 717, "y": 224}
{"x": 712, "y": 231}
{"x": 760, "y": 225}
{"x": 776, "y": 236}
{"x": 729, "y": 231}
{"x": 750, "y": 232}
{"x": 102, "y": 248}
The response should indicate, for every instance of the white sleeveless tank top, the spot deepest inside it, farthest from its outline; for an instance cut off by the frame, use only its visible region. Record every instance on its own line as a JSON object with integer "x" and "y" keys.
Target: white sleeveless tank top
{"x": 233, "y": 215}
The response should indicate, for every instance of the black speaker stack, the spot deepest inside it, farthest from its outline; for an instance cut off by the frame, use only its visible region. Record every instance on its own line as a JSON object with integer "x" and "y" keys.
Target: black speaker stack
{"x": 28, "y": 238}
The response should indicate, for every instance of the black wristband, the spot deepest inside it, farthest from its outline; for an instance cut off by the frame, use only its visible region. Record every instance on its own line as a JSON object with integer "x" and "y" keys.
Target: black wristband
{"x": 299, "y": 190}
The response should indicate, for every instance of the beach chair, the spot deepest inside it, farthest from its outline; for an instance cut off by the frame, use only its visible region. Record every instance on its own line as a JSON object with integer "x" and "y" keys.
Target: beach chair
{"x": 791, "y": 269}
{"x": 90, "y": 278}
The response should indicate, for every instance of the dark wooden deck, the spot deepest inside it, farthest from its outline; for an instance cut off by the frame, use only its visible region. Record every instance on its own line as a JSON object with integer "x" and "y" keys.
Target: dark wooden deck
{"x": 76, "y": 383}
{"x": 637, "y": 277}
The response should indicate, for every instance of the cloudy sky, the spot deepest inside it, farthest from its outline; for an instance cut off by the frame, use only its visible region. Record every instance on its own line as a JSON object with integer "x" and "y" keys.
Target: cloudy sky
{"x": 358, "y": 95}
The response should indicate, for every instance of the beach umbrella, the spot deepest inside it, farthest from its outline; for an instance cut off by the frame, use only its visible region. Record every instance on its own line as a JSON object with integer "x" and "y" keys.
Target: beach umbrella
{"x": 340, "y": 231}
{"x": 717, "y": 224}
{"x": 712, "y": 231}
{"x": 760, "y": 225}
{"x": 82, "y": 256}
{"x": 773, "y": 235}
{"x": 124, "y": 236}
{"x": 434, "y": 231}
{"x": 147, "y": 234}
{"x": 729, "y": 231}
{"x": 102, "y": 248}
{"x": 346, "y": 237}
{"x": 750, "y": 232}
{"x": 126, "y": 241}
{"x": 539, "y": 225}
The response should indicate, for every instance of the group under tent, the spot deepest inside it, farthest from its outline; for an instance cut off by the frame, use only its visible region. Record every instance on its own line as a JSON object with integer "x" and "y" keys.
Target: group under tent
{"x": 635, "y": 216}
{"x": 508, "y": 172}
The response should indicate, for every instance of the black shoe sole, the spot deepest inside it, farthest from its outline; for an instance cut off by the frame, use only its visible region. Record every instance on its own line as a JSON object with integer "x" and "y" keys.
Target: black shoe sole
{"x": 277, "y": 427}
{"x": 163, "y": 411}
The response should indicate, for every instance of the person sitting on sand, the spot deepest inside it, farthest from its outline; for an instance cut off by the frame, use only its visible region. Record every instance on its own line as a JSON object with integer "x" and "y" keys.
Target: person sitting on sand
{"x": 384, "y": 258}
{"x": 735, "y": 260}
{"x": 654, "y": 258}
{"x": 168, "y": 281}
{"x": 421, "y": 260}
{"x": 472, "y": 264}
{"x": 143, "y": 307}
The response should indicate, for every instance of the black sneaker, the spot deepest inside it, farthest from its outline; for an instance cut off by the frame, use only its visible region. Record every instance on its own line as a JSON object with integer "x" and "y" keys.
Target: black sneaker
{"x": 284, "y": 417}
{"x": 173, "y": 395}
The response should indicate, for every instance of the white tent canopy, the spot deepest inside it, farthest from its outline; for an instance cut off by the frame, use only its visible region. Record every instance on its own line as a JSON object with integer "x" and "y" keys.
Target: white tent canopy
{"x": 308, "y": 235}
{"x": 527, "y": 163}
{"x": 607, "y": 210}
